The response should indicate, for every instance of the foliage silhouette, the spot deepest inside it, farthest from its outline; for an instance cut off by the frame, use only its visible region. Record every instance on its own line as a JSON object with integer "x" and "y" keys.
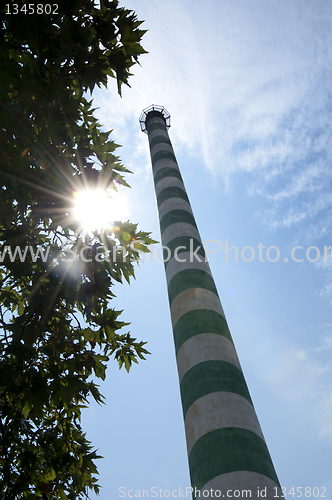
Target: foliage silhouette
{"x": 57, "y": 327}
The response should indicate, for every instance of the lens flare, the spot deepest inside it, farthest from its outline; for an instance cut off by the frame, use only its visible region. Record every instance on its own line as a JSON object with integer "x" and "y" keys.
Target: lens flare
{"x": 97, "y": 209}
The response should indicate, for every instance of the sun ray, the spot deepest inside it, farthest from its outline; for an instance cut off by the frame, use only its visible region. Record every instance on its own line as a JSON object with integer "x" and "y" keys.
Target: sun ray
{"x": 97, "y": 209}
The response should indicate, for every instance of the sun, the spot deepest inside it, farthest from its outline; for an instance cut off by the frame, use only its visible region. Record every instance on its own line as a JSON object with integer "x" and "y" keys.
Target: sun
{"x": 97, "y": 209}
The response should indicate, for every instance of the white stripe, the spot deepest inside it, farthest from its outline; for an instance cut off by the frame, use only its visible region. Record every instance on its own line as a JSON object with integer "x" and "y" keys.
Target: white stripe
{"x": 173, "y": 204}
{"x": 167, "y": 182}
{"x": 157, "y": 133}
{"x": 180, "y": 229}
{"x": 243, "y": 480}
{"x": 162, "y": 146}
{"x": 174, "y": 167}
{"x": 163, "y": 163}
{"x": 175, "y": 266}
{"x": 205, "y": 347}
{"x": 193, "y": 299}
{"x": 219, "y": 410}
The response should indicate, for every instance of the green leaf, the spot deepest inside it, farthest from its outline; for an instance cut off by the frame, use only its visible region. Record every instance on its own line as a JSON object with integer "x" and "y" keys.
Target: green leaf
{"x": 20, "y": 307}
{"x": 49, "y": 476}
{"x": 26, "y": 410}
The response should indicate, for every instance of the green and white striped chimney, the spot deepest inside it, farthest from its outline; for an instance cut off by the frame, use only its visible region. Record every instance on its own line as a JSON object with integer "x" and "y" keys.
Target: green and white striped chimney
{"x": 227, "y": 452}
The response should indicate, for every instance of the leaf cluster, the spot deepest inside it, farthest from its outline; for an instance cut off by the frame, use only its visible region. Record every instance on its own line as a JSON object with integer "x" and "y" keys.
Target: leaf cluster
{"x": 57, "y": 327}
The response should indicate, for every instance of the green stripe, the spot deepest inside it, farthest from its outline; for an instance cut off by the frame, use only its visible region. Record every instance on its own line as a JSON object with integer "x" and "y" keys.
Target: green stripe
{"x": 211, "y": 376}
{"x": 229, "y": 450}
{"x": 184, "y": 241}
{"x": 199, "y": 321}
{"x": 156, "y": 126}
{"x": 161, "y": 155}
{"x": 171, "y": 192}
{"x": 159, "y": 139}
{"x": 167, "y": 172}
{"x": 190, "y": 278}
{"x": 176, "y": 215}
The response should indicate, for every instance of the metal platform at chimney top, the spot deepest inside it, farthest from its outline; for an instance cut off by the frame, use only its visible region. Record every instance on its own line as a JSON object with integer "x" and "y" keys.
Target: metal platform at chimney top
{"x": 151, "y": 111}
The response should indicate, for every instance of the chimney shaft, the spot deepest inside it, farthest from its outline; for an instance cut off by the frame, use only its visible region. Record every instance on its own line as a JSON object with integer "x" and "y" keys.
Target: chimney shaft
{"x": 225, "y": 443}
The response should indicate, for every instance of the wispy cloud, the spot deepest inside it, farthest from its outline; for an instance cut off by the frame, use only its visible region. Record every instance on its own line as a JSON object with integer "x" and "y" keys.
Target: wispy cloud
{"x": 302, "y": 378}
{"x": 248, "y": 88}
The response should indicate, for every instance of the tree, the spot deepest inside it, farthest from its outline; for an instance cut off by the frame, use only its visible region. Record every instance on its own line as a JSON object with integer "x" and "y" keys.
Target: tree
{"x": 57, "y": 326}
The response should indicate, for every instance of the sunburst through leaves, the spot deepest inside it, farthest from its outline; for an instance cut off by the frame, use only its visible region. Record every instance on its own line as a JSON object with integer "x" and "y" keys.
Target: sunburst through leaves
{"x": 97, "y": 209}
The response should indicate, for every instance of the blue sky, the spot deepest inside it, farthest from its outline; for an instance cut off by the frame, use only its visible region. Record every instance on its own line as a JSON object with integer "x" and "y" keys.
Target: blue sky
{"x": 247, "y": 84}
